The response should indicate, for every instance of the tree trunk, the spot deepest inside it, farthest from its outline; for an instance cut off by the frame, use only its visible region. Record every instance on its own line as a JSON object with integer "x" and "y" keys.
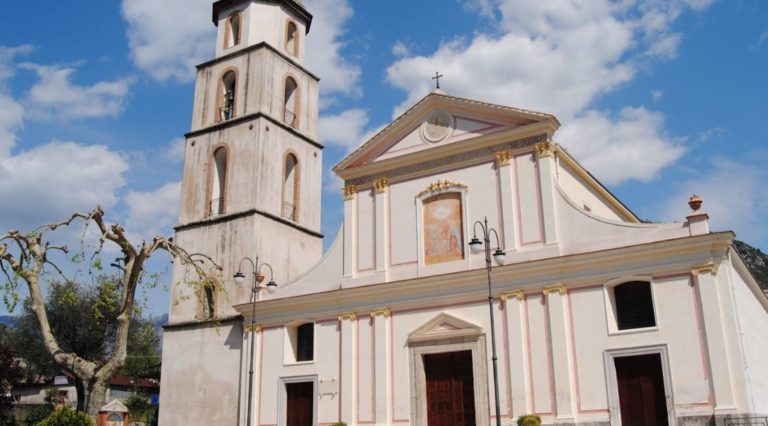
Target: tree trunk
{"x": 97, "y": 389}
{"x": 80, "y": 388}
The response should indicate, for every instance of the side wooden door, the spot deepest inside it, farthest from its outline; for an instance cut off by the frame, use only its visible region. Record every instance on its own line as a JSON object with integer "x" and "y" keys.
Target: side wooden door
{"x": 642, "y": 398}
{"x": 300, "y": 404}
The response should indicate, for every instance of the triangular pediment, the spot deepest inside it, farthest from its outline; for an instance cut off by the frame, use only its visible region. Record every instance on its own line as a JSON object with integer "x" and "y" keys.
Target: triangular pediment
{"x": 439, "y": 120}
{"x": 442, "y": 327}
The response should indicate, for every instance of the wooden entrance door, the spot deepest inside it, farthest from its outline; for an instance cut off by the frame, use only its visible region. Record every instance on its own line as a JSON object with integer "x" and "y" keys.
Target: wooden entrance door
{"x": 641, "y": 390}
{"x": 300, "y": 401}
{"x": 450, "y": 389}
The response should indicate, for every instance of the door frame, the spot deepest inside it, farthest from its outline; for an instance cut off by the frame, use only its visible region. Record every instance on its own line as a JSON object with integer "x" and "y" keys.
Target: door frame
{"x": 475, "y": 344}
{"x": 612, "y": 385}
{"x": 282, "y": 399}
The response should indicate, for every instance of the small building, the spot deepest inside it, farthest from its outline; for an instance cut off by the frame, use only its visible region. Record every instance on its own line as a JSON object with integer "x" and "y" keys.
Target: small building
{"x": 113, "y": 414}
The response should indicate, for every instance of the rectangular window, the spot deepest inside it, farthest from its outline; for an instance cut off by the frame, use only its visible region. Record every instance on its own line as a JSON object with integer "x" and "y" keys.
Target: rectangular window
{"x": 305, "y": 346}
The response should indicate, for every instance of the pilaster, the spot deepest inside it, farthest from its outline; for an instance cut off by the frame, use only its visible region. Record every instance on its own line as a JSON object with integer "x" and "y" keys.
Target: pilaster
{"x": 347, "y": 375}
{"x": 380, "y": 205}
{"x": 381, "y": 340}
{"x": 504, "y": 168}
{"x": 562, "y": 360}
{"x": 705, "y": 278}
{"x": 545, "y": 154}
{"x": 350, "y": 255}
{"x": 516, "y": 378}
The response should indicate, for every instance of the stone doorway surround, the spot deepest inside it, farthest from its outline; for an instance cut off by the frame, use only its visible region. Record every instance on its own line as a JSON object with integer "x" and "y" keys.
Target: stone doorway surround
{"x": 446, "y": 333}
{"x": 612, "y": 383}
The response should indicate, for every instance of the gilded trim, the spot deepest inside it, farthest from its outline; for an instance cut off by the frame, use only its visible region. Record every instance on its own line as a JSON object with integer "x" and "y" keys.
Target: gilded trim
{"x": 384, "y": 312}
{"x": 503, "y": 158}
{"x": 380, "y": 185}
{"x": 516, "y": 294}
{"x": 710, "y": 267}
{"x": 347, "y": 316}
{"x": 441, "y": 186}
{"x": 349, "y": 192}
{"x": 545, "y": 148}
{"x": 556, "y": 288}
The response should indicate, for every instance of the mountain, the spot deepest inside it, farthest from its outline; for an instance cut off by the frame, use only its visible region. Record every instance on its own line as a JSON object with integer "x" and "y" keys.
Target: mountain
{"x": 7, "y": 320}
{"x": 756, "y": 261}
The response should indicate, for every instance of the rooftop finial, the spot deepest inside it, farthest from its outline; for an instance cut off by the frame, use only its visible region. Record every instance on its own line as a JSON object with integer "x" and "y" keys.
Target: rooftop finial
{"x": 695, "y": 203}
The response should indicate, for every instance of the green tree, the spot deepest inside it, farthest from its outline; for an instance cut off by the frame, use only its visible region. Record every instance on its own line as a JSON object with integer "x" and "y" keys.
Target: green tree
{"x": 10, "y": 373}
{"x": 84, "y": 320}
{"x": 28, "y": 259}
{"x": 65, "y": 416}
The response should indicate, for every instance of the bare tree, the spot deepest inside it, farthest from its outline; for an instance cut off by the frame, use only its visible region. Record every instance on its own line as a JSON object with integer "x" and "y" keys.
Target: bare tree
{"x": 25, "y": 257}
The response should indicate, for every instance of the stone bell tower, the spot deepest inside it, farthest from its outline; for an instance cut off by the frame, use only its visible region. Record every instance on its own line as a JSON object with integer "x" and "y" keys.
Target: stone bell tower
{"x": 251, "y": 186}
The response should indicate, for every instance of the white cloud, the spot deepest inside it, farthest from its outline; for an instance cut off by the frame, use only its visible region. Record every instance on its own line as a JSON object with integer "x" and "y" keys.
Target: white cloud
{"x": 657, "y": 95}
{"x": 56, "y": 96}
{"x": 169, "y": 38}
{"x": 324, "y": 44}
{"x": 346, "y": 129}
{"x": 51, "y": 181}
{"x": 710, "y": 134}
{"x": 11, "y": 111}
{"x": 400, "y": 48}
{"x": 560, "y": 57}
{"x": 175, "y": 150}
{"x": 631, "y": 145}
{"x": 154, "y": 212}
{"x": 735, "y": 196}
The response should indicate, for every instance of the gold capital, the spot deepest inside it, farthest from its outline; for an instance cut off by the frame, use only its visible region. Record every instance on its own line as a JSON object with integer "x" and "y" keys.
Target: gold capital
{"x": 383, "y": 312}
{"x": 516, "y": 294}
{"x": 347, "y": 316}
{"x": 256, "y": 327}
{"x": 503, "y": 157}
{"x": 380, "y": 186}
{"x": 556, "y": 288}
{"x": 545, "y": 148}
{"x": 349, "y": 192}
{"x": 710, "y": 267}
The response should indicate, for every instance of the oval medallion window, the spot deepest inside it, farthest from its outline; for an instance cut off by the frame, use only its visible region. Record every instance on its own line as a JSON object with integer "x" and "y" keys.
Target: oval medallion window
{"x": 437, "y": 127}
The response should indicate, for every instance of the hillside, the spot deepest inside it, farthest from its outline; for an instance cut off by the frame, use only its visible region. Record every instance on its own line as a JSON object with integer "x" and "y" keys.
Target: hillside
{"x": 756, "y": 260}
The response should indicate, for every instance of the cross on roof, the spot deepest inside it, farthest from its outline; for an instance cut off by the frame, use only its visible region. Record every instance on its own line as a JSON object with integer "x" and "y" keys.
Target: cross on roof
{"x": 437, "y": 78}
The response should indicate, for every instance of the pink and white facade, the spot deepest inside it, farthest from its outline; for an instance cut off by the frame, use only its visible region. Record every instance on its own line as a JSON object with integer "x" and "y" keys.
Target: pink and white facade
{"x": 399, "y": 285}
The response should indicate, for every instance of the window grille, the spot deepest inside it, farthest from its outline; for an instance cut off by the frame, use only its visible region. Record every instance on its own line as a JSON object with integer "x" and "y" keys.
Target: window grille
{"x": 305, "y": 346}
{"x": 634, "y": 305}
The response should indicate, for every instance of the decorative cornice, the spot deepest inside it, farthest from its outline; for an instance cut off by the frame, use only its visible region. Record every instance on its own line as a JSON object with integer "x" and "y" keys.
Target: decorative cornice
{"x": 246, "y": 213}
{"x": 428, "y": 167}
{"x": 557, "y": 288}
{"x": 545, "y": 148}
{"x": 380, "y": 186}
{"x": 710, "y": 267}
{"x": 349, "y": 192}
{"x": 515, "y": 294}
{"x": 347, "y": 316}
{"x": 503, "y": 158}
{"x": 383, "y": 312}
{"x": 441, "y": 186}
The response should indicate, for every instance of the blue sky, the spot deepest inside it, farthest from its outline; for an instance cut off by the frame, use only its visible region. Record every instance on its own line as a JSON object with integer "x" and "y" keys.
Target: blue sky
{"x": 658, "y": 98}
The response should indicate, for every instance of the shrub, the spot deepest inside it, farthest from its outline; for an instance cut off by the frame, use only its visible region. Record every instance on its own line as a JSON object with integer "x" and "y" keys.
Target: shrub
{"x": 65, "y": 416}
{"x": 37, "y": 414}
{"x": 339, "y": 424}
{"x": 528, "y": 420}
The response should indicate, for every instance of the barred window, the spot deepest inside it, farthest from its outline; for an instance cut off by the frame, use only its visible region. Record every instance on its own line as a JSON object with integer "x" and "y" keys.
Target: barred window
{"x": 634, "y": 305}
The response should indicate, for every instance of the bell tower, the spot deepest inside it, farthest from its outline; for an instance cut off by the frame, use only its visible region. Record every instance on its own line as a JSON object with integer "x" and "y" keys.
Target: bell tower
{"x": 251, "y": 186}
{"x": 253, "y": 164}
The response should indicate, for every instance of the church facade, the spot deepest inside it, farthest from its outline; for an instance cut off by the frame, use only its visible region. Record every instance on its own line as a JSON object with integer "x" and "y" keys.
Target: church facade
{"x": 596, "y": 317}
